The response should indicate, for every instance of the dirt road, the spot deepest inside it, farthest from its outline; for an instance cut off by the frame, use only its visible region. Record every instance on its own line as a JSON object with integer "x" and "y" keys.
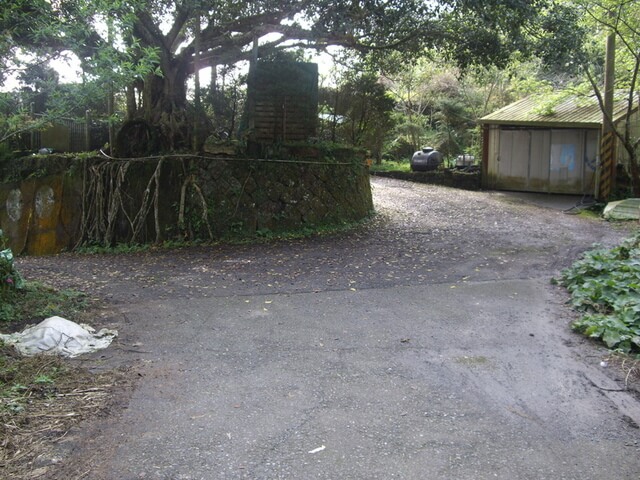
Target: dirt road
{"x": 427, "y": 344}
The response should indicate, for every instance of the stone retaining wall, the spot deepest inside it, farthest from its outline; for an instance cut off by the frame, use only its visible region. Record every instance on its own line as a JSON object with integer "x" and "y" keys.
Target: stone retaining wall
{"x": 447, "y": 178}
{"x": 49, "y": 205}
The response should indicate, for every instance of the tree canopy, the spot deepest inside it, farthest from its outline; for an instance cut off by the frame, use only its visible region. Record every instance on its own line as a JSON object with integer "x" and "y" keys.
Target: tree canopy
{"x": 152, "y": 46}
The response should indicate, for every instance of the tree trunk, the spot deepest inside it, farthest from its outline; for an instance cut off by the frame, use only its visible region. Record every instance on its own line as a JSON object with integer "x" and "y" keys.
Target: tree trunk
{"x": 132, "y": 106}
{"x": 635, "y": 175}
{"x": 633, "y": 166}
{"x": 165, "y": 106}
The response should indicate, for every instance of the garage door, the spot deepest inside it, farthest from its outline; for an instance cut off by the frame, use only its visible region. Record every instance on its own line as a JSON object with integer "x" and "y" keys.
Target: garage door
{"x": 554, "y": 161}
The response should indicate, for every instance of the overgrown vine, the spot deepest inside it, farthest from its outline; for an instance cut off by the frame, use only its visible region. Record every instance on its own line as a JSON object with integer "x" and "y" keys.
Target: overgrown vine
{"x": 102, "y": 203}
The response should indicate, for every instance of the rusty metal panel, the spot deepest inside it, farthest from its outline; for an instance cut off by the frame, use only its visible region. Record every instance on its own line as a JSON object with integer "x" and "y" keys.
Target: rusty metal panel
{"x": 492, "y": 139}
{"x": 538, "y": 180}
{"x": 590, "y": 161}
{"x": 513, "y": 160}
{"x": 540, "y": 160}
{"x": 566, "y": 161}
{"x": 65, "y": 135}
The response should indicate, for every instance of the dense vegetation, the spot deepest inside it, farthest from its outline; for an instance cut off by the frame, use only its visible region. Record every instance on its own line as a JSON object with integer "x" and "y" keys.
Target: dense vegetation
{"x": 605, "y": 286}
{"x": 405, "y": 75}
{"x": 20, "y": 300}
{"x": 412, "y": 73}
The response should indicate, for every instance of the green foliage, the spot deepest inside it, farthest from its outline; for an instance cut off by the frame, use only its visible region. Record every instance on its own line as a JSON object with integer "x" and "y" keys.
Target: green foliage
{"x": 618, "y": 20}
{"x": 605, "y": 286}
{"x": 547, "y": 100}
{"x": 391, "y": 166}
{"x": 561, "y": 37}
{"x": 5, "y": 154}
{"x": 15, "y": 121}
{"x": 21, "y": 379}
{"x": 149, "y": 46}
{"x": 490, "y": 31}
{"x": 21, "y": 301}
{"x": 437, "y": 105}
{"x": 357, "y": 111}
{"x": 10, "y": 278}
{"x": 38, "y": 301}
{"x": 94, "y": 249}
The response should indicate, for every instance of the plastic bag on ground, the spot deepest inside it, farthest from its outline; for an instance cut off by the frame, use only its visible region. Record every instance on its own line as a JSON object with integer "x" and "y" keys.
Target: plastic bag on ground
{"x": 59, "y": 336}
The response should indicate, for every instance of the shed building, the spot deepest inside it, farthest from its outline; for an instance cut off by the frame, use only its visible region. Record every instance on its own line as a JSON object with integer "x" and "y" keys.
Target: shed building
{"x": 524, "y": 150}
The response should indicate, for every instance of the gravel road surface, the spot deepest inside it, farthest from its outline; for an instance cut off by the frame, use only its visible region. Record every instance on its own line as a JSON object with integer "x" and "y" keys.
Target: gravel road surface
{"x": 426, "y": 344}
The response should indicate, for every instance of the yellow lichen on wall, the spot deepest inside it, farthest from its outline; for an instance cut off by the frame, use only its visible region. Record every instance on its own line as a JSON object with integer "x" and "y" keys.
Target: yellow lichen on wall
{"x": 35, "y": 217}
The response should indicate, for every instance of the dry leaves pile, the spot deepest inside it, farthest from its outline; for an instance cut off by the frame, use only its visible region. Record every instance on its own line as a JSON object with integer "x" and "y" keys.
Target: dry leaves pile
{"x": 628, "y": 369}
{"x": 43, "y": 398}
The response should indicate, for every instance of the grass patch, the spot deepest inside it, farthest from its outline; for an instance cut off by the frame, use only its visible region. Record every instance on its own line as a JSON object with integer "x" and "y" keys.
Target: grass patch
{"x": 590, "y": 214}
{"x": 44, "y": 396}
{"x": 37, "y": 301}
{"x": 119, "y": 248}
{"x": 605, "y": 286}
{"x": 22, "y": 379}
{"x": 41, "y": 398}
{"x": 266, "y": 235}
{"x": 391, "y": 166}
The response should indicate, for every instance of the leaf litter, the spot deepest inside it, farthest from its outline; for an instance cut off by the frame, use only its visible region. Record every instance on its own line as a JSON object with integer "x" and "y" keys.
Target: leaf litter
{"x": 43, "y": 398}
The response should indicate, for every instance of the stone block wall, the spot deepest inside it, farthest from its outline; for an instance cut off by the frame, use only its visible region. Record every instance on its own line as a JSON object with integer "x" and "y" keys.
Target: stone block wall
{"x": 447, "y": 178}
{"x": 50, "y": 206}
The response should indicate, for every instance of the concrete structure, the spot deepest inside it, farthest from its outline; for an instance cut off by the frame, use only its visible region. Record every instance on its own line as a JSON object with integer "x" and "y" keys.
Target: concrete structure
{"x": 525, "y": 150}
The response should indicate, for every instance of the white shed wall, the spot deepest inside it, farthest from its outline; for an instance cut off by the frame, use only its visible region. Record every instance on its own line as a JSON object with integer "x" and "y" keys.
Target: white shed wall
{"x": 542, "y": 160}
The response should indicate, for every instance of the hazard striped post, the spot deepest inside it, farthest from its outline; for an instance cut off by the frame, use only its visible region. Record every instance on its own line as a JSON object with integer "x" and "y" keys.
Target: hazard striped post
{"x": 607, "y": 165}
{"x": 608, "y": 141}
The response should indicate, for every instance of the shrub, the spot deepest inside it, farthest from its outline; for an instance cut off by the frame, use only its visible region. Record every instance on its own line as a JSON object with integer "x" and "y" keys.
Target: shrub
{"x": 605, "y": 286}
{"x": 10, "y": 278}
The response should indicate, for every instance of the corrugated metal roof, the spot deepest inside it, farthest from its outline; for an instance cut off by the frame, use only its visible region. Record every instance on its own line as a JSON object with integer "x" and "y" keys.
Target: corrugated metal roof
{"x": 583, "y": 113}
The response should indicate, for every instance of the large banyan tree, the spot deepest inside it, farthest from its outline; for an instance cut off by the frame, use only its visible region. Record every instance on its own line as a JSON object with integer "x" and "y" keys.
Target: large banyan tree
{"x": 150, "y": 47}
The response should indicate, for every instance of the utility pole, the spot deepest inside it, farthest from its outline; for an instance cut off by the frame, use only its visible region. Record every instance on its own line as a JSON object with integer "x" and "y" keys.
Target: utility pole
{"x": 608, "y": 138}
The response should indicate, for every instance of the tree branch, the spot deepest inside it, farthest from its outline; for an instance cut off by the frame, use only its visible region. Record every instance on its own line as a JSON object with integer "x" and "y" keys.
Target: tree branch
{"x": 176, "y": 35}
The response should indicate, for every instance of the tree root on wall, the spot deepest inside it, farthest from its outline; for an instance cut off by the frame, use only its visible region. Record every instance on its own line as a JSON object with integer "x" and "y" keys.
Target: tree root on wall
{"x": 191, "y": 180}
{"x": 102, "y": 203}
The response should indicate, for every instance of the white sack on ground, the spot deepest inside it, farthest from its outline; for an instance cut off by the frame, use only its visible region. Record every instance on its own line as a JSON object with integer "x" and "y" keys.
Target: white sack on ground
{"x": 58, "y": 336}
{"x": 628, "y": 209}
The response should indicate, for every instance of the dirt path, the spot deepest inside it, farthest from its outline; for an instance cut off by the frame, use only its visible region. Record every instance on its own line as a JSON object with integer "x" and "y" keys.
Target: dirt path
{"x": 427, "y": 344}
{"x": 421, "y": 235}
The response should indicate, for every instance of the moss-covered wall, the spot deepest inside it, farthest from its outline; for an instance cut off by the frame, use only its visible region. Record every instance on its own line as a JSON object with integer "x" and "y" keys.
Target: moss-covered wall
{"x": 51, "y": 204}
